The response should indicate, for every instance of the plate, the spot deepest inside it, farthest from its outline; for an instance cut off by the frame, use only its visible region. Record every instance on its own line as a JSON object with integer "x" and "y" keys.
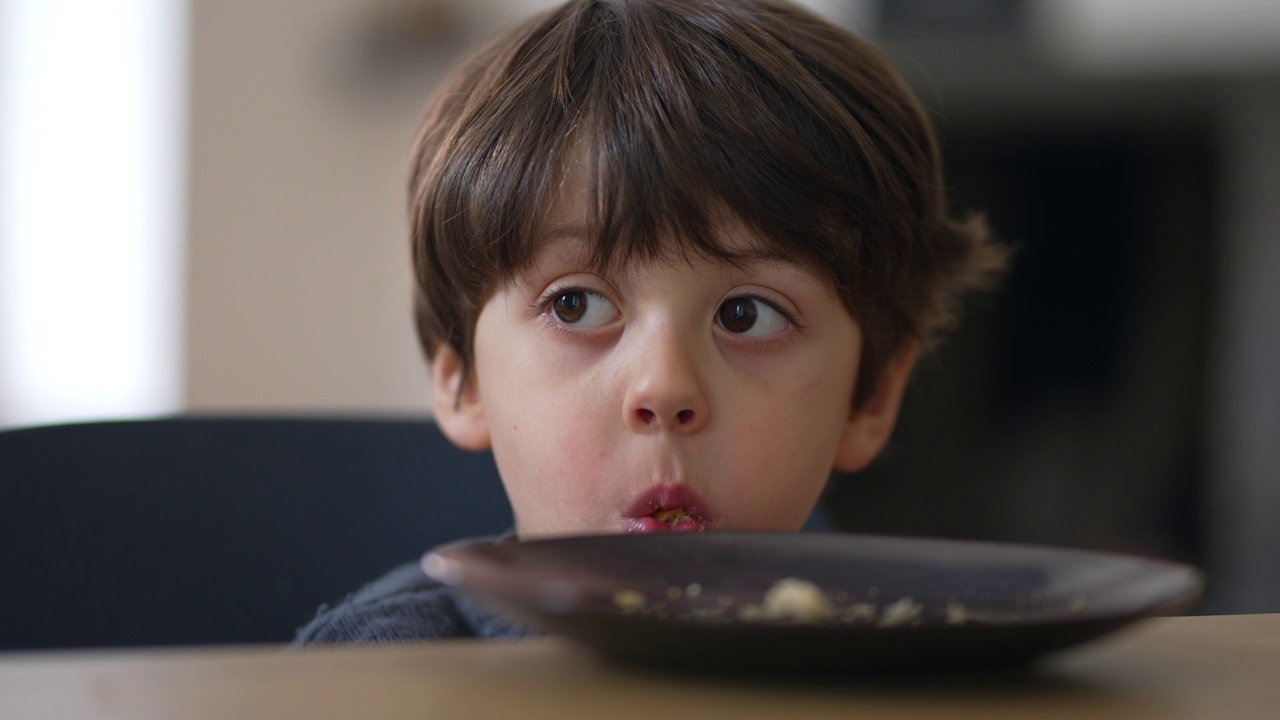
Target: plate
{"x": 805, "y": 602}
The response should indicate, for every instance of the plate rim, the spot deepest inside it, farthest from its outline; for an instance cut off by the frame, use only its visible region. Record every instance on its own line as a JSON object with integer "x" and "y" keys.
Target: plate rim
{"x": 441, "y": 563}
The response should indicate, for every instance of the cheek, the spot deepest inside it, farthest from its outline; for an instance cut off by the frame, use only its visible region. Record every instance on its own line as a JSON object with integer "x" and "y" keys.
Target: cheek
{"x": 574, "y": 449}
{"x": 812, "y": 388}
{"x": 548, "y": 438}
{"x": 783, "y": 440}
{"x": 820, "y": 397}
{"x": 787, "y": 443}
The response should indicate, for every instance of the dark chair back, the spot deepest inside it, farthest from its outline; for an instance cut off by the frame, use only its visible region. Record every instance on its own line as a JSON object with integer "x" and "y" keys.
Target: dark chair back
{"x": 219, "y": 530}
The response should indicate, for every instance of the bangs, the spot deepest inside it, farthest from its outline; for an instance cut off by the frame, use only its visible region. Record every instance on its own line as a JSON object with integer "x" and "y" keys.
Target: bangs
{"x": 678, "y": 126}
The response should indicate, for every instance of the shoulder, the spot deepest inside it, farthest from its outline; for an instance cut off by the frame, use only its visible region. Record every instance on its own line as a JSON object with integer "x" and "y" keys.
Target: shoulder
{"x": 401, "y": 606}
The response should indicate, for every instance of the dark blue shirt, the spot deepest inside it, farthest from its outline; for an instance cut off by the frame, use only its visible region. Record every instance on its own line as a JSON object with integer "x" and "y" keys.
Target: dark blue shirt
{"x": 402, "y": 606}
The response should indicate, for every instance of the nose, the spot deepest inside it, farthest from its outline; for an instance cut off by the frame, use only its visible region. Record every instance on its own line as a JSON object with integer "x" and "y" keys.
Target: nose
{"x": 664, "y": 393}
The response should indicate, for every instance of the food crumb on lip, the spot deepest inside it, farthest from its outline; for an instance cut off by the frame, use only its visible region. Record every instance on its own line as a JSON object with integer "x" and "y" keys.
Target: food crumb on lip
{"x": 674, "y": 515}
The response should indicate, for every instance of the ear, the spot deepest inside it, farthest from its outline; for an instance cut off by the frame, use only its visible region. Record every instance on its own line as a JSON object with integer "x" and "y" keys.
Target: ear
{"x": 455, "y": 397}
{"x": 869, "y": 427}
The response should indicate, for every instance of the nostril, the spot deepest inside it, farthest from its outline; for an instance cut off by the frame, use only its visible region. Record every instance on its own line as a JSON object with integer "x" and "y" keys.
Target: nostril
{"x": 645, "y": 415}
{"x": 684, "y": 417}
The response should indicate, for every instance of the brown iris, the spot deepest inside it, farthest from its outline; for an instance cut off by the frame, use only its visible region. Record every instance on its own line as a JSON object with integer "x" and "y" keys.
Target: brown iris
{"x": 738, "y": 315}
{"x": 570, "y": 306}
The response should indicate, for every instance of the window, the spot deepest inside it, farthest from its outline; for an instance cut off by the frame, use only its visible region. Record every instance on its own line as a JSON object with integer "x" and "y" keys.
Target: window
{"x": 92, "y": 125}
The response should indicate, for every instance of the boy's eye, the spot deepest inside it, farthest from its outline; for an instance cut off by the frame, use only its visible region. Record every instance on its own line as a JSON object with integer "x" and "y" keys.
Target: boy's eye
{"x": 750, "y": 316}
{"x": 583, "y": 308}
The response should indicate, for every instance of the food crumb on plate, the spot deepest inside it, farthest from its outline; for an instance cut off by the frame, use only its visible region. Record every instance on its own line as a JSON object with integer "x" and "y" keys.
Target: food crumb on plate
{"x": 789, "y": 600}
{"x": 957, "y": 613}
{"x": 859, "y": 613}
{"x": 901, "y": 612}
{"x": 628, "y": 600}
{"x": 796, "y": 599}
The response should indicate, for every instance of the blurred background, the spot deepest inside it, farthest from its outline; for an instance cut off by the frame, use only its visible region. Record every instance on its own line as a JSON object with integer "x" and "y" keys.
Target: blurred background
{"x": 201, "y": 211}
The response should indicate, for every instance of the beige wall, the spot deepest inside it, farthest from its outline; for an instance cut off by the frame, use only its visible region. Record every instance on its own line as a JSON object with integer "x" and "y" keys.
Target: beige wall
{"x": 298, "y": 268}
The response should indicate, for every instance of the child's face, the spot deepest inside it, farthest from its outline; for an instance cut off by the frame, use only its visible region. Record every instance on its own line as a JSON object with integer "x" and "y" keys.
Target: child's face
{"x": 684, "y": 395}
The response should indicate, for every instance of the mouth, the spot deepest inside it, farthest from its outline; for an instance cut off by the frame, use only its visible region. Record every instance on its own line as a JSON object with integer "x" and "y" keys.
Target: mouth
{"x": 668, "y": 508}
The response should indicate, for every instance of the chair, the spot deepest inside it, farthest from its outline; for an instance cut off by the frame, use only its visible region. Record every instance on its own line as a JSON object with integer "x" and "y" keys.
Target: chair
{"x": 197, "y": 530}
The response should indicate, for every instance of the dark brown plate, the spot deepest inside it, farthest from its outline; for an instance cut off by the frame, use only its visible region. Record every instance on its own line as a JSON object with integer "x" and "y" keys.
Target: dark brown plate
{"x": 979, "y": 605}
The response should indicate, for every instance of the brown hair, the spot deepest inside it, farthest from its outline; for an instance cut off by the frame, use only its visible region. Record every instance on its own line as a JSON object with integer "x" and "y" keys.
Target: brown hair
{"x": 683, "y": 110}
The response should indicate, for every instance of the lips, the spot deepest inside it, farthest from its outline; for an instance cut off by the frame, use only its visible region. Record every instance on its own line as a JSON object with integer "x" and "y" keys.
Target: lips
{"x": 668, "y": 508}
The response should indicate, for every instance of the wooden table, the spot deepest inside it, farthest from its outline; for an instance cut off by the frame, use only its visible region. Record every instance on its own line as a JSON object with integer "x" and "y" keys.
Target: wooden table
{"x": 1193, "y": 667}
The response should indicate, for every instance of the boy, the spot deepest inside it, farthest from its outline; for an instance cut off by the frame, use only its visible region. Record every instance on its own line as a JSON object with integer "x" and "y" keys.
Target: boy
{"x": 675, "y": 260}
